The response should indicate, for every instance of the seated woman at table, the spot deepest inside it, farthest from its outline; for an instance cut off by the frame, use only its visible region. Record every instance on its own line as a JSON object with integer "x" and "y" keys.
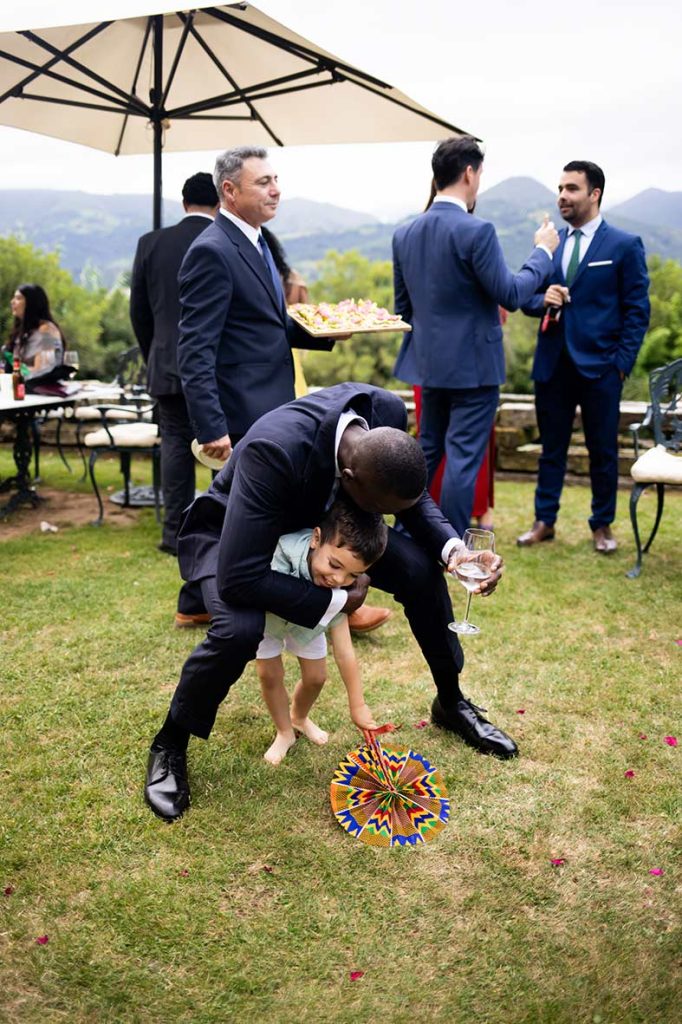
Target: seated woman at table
{"x": 37, "y": 338}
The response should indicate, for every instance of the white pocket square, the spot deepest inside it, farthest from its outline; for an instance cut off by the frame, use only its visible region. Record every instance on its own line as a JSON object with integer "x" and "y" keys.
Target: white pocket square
{"x": 601, "y": 263}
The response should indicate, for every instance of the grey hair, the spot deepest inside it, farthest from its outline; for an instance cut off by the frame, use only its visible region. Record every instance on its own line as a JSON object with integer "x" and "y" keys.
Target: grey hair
{"x": 228, "y": 165}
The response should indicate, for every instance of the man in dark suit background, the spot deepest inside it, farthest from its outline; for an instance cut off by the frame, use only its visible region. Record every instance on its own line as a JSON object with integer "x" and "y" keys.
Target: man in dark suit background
{"x": 595, "y": 315}
{"x": 155, "y": 314}
{"x": 234, "y": 351}
{"x": 450, "y": 279}
{"x": 281, "y": 477}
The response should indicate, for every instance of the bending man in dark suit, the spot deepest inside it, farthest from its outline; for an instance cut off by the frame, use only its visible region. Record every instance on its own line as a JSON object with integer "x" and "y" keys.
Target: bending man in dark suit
{"x": 595, "y": 315}
{"x": 155, "y": 313}
{"x": 281, "y": 477}
{"x": 450, "y": 279}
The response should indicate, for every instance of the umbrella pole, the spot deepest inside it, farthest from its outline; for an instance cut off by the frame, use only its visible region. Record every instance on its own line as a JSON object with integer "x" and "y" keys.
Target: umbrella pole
{"x": 156, "y": 94}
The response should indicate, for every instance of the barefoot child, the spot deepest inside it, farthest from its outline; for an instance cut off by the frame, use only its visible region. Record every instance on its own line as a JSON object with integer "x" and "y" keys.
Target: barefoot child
{"x": 334, "y": 554}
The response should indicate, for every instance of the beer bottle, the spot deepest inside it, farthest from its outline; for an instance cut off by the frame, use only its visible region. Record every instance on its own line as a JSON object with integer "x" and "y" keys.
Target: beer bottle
{"x": 18, "y": 386}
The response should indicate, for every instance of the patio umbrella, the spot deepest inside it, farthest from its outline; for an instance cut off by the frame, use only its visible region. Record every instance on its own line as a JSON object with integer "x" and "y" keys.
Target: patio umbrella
{"x": 206, "y": 78}
{"x": 387, "y": 797}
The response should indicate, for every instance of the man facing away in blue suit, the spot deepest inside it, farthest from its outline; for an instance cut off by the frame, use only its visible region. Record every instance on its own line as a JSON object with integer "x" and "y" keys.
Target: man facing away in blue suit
{"x": 450, "y": 279}
{"x": 595, "y": 315}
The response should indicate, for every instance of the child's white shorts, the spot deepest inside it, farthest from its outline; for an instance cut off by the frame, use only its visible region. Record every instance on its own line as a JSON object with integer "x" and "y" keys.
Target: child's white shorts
{"x": 271, "y": 646}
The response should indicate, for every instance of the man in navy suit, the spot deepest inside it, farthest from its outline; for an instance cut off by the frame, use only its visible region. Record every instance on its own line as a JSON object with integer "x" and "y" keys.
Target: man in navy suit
{"x": 281, "y": 477}
{"x": 595, "y": 315}
{"x": 154, "y": 314}
{"x": 234, "y": 350}
{"x": 450, "y": 279}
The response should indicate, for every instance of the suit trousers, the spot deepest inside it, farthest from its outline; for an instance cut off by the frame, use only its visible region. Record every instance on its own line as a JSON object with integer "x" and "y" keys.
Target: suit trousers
{"x": 556, "y": 401}
{"x": 456, "y": 422}
{"x": 405, "y": 570}
{"x": 177, "y": 463}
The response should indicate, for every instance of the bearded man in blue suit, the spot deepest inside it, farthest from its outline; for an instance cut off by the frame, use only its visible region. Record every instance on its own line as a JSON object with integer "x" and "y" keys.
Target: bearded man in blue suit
{"x": 450, "y": 279}
{"x": 595, "y": 315}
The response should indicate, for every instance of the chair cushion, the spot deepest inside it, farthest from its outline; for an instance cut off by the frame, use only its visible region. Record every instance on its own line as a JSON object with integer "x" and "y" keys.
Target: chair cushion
{"x": 125, "y": 435}
{"x": 87, "y": 413}
{"x": 658, "y": 466}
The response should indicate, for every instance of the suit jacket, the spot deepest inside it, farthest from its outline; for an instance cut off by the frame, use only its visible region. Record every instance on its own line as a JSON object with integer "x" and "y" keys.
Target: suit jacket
{"x": 450, "y": 279}
{"x": 155, "y": 303}
{"x": 279, "y": 480}
{"x": 606, "y": 320}
{"x": 234, "y": 351}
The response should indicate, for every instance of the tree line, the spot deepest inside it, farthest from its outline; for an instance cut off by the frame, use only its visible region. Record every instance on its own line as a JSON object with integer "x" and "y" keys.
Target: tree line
{"x": 96, "y": 323}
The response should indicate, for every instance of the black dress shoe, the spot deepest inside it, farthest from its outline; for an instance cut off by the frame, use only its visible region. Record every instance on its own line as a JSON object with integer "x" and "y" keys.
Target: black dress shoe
{"x": 167, "y": 789}
{"x": 467, "y": 721}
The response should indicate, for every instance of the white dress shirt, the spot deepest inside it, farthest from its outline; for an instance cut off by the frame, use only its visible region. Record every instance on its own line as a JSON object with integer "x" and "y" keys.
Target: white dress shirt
{"x": 253, "y": 234}
{"x": 586, "y": 237}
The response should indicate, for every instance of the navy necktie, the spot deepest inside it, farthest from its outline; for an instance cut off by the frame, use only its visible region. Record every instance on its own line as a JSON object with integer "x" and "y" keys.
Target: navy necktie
{"x": 270, "y": 264}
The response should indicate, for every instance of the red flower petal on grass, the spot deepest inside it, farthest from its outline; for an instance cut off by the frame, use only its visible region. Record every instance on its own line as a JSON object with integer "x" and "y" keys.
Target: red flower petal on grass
{"x": 557, "y": 862}
{"x": 656, "y": 871}
{"x": 679, "y": 643}
{"x": 670, "y": 740}
{"x": 642, "y": 736}
{"x": 629, "y": 774}
{"x": 520, "y": 711}
{"x": 268, "y": 869}
{"x": 356, "y": 975}
{"x": 184, "y": 873}
{"x": 42, "y": 940}
{"x": 8, "y": 890}
{"x": 422, "y": 725}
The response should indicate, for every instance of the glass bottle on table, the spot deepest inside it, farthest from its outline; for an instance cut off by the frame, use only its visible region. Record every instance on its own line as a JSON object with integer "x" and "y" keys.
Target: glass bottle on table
{"x": 18, "y": 386}
{"x": 471, "y": 572}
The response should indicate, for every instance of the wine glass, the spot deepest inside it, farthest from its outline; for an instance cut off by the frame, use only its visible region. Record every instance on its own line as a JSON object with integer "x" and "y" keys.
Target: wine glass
{"x": 71, "y": 359}
{"x": 471, "y": 572}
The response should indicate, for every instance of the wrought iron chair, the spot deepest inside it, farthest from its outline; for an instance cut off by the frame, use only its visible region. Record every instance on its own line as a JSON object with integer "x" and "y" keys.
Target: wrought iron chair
{"x": 130, "y": 379}
{"x": 661, "y": 464}
{"x": 125, "y": 439}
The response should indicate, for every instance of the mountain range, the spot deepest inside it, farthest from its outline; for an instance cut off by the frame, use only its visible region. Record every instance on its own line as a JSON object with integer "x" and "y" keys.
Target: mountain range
{"x": 99, "y": 232}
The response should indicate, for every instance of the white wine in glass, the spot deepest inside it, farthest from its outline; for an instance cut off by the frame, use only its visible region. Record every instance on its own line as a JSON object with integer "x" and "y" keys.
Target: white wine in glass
{"x": 71, "y": 359}
{"x": 471, "y": 572}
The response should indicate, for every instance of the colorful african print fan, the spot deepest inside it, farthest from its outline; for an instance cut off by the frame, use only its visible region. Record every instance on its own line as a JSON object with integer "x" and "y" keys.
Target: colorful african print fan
{"x": 389, "y": 797}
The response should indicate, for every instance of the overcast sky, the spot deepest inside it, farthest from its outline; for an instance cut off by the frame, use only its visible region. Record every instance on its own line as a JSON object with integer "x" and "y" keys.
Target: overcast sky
{"x": 540, "y": 83}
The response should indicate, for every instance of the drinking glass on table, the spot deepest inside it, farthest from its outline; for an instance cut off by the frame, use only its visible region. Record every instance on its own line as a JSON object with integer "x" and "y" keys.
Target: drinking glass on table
{"x": 471, "y": 571}
{"x": 71, "y": 359}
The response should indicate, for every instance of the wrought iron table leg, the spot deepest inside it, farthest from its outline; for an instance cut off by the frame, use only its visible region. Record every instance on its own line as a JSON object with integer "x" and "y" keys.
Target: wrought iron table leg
{"x": 23, "y": 450}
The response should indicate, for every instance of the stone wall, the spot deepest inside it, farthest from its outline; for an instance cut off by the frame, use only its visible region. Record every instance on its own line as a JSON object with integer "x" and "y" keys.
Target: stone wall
{"x": 518, "y": 444}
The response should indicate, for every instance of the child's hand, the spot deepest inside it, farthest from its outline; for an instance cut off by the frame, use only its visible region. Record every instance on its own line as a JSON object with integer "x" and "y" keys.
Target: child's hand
{"x": 363, "y": 717}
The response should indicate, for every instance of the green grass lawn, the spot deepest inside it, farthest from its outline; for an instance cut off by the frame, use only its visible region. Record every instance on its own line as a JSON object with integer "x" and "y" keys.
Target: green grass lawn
{"x": 153, "y": 923}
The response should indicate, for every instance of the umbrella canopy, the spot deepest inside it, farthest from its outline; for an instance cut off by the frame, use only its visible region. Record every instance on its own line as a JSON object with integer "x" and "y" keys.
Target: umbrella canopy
{"x": 206, "y": 78}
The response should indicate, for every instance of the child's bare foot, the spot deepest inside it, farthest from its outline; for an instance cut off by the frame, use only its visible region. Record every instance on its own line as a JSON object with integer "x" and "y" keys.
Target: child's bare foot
{"x": 311, "y": 731}
{"x": 280, "y": 748}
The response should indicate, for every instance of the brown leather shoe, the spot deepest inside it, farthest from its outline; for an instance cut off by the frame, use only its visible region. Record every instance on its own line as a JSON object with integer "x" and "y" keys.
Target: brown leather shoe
{"x": 191, "y": 621}
{"x": 365, "y": 618}
{"x": 604, "y": 541}
{"x": 539, "y": 531}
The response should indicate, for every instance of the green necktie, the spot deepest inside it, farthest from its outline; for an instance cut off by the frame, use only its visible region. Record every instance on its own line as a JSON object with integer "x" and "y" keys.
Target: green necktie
{"x": 574, "y": 262}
